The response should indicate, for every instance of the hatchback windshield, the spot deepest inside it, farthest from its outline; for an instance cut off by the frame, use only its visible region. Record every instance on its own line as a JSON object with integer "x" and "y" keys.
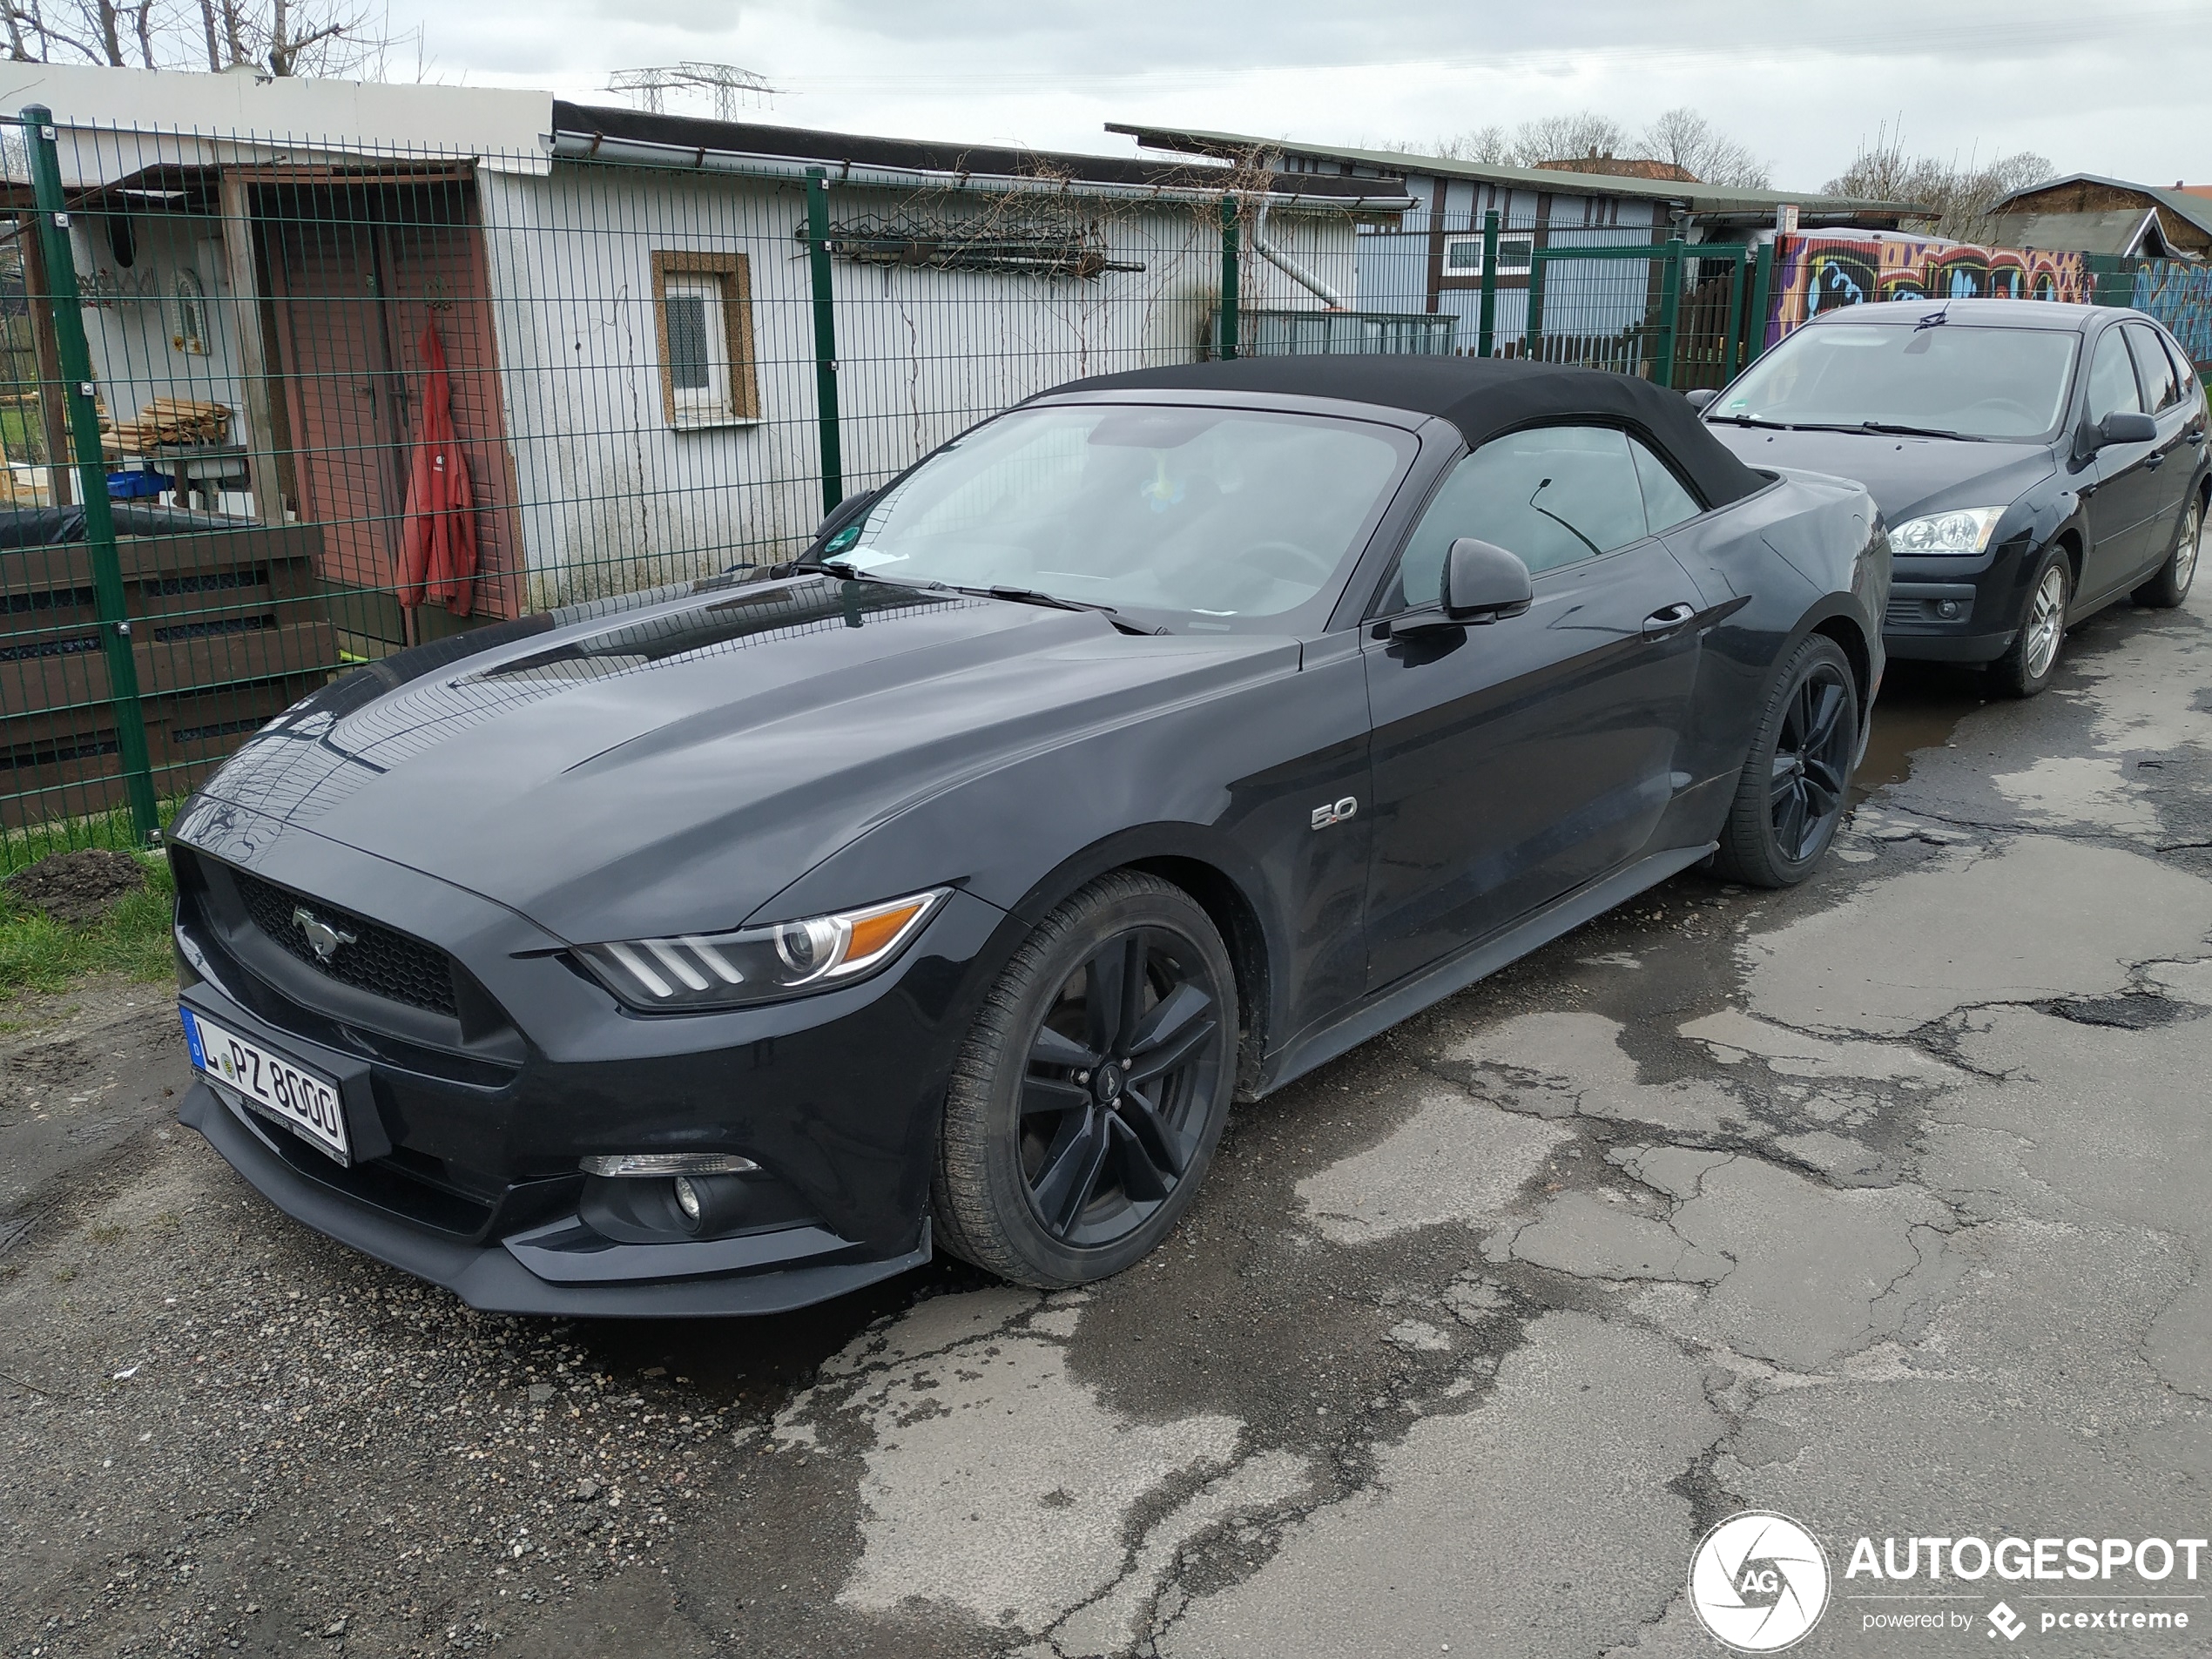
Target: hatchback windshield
{"x": 1205, "y": 519}
{"x": 1973, "y": 382}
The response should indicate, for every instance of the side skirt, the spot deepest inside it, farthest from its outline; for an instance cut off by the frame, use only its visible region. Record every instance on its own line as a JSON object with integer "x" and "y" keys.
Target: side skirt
{"x": 1386, "y": 1008}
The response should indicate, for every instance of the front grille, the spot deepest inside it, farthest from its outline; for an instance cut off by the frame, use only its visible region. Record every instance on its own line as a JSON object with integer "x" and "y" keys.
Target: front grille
{"x": 379, "y": 961}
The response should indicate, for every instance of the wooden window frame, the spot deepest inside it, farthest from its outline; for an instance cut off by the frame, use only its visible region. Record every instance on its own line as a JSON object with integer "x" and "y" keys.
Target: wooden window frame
{"x": 734, "y": 272}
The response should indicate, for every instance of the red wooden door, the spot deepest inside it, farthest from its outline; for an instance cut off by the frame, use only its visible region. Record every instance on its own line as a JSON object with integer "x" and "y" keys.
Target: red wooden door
{"x": 349, "y": 425}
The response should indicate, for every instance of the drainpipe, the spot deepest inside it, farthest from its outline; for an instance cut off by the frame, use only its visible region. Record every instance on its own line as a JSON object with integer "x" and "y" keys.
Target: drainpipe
{"x": 1289, "y": 266}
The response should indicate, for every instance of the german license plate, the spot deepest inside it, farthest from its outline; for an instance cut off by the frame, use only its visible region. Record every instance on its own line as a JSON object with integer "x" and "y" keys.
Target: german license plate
{"x": 304, "y": 1102}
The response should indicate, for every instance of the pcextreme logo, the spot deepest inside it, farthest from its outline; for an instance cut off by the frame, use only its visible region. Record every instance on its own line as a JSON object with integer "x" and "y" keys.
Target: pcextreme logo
{"x": 1758, "y": 1583}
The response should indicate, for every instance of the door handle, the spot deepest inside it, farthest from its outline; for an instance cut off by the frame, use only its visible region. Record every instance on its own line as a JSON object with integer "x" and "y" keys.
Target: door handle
{"x": 2153, "y": 461}
{"x": 1662, "y": 623}
{"x": 2193, "y": 437}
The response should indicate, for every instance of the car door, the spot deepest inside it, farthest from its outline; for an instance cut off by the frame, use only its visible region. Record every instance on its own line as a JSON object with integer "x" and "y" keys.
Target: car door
{"x": 2172, "y": 460}
{"x": 1513, "y": 762}
{"x": 2124, "y": 493}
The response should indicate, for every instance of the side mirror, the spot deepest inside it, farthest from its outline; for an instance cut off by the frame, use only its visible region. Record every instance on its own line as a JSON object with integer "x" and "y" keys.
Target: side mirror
{"x": 2123, "y": 425}
{"x": 1483, "y": 582}
{"x": 1701, "y": 397}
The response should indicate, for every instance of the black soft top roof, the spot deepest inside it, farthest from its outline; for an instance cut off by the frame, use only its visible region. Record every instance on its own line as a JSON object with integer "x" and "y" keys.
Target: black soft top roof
{"x": 1483, "y": 397}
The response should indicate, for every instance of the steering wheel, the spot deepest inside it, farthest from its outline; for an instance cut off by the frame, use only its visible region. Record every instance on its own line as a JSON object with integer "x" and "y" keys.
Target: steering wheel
{"x": 1306, "y": 558}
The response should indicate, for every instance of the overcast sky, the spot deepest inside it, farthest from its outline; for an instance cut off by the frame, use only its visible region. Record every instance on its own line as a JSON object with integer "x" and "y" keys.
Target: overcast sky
{"x": 2118, "y": 88}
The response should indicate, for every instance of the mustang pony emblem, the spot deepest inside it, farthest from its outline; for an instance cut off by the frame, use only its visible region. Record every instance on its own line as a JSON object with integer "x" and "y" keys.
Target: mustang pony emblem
{"x": 323, "y": 939}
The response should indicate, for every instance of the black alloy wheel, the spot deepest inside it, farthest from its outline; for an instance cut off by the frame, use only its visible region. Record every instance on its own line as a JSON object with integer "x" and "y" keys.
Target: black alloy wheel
{"x": 1086, "y": 1103}
{"x": 1790, "y": 798}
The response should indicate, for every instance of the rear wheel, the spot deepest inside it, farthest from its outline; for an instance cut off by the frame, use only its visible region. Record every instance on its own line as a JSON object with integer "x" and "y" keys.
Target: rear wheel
{"x": 1790, "y": 798}
{"x": 2171, "y": 586}
{"x": 2026, "y": 668}
{"x": 1086, "y": 1104}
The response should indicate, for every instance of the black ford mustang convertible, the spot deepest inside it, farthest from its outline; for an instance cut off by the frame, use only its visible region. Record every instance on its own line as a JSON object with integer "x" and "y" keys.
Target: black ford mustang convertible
{"x": 726, "y": 948}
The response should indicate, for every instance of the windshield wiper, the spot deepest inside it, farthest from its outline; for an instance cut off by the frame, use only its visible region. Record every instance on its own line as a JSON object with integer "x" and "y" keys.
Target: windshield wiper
{"x": 1918, "y": 431}
{"x": 1055, "y": 602}
{"x": 1748, "y": 420}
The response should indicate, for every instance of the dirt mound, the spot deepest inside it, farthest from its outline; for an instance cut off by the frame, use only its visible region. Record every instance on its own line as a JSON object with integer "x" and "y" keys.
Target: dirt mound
{"x": 77, "y": 888}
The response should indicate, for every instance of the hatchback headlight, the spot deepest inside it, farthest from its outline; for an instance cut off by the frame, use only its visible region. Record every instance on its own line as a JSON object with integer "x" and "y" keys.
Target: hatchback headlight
{"x": 1963, "y": 529}
{"x": 759, "y": 964}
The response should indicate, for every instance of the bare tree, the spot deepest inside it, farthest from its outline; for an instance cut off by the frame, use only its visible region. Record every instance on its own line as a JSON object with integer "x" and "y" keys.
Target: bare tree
{"x": 329, "y": 37}
{"x": 1584, "y": 135}
{"x": 1484, "y": 146}
{"x": 1960, "y": 193}
{"x": 1686, "y": 139}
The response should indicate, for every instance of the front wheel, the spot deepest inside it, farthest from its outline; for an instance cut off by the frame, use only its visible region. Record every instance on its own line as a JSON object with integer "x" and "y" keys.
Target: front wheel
{"x": 1086, "y": 1104}
{"x": 2026, "y": 666}
{"x": 2171, "y": 586}
{"x": 1791, "y": 797}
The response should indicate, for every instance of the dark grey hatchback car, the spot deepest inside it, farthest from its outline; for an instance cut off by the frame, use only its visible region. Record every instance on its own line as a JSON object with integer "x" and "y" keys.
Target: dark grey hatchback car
{"x": 2035, "y": 462}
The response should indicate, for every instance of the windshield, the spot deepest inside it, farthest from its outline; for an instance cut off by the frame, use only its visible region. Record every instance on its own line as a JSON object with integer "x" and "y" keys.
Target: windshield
{"x": 1975, "y": 382}
{"x": 1200, "y": 519}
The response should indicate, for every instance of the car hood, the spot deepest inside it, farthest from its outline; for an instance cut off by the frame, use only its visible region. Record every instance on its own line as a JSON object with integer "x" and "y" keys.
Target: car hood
{"x": 669, "y": 767}
{"x": 1906, "y": 477}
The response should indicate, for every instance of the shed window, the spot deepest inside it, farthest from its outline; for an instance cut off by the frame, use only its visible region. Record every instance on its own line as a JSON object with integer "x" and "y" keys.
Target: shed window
{"x": 1463, "y": 255}
{"x": 703, "y": 317}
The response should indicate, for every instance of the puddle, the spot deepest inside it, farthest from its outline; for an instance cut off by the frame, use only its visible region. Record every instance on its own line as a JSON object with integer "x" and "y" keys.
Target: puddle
{"x": 1920, "y": 706}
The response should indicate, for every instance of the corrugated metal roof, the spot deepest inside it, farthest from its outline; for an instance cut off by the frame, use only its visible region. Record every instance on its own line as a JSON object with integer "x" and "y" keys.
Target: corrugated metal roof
{"x": 2120, "y": 230}
{"x": 2184, "y": 204}
{"x": 681, "y": 135}
{"x": 1698, "y": 198}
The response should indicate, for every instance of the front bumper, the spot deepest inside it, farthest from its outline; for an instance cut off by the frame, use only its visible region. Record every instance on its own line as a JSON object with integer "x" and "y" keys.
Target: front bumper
{"x": 1946, "y": 609}
{"x": 468, "y": 1126}
{"x": 494, "y": 1277}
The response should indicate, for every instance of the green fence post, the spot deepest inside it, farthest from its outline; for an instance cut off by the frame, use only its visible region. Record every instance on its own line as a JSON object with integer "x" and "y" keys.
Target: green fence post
{"x": 818, "y": 261}
{"x": 1762, "y": 291}
{"x": 1228, "y": 331}
{"x": 1662, "y": 371}
{"x": 1731, "y": 338}
{"x": 1487, "y": 321}
{"x": 76, "y": 390}
{"x": 1533, "y": 348}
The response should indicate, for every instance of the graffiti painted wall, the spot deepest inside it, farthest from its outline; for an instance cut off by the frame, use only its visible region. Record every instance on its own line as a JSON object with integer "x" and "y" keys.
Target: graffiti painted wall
{"x": 2180, "y": 295}
{"x": 1817, "y": 273}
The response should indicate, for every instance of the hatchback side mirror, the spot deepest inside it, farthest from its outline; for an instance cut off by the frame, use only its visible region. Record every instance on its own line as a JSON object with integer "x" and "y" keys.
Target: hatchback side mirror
{"x": 1700, "y": 397}
{"x": 1483, "y": 582}
{"x": 2123, "y": 425}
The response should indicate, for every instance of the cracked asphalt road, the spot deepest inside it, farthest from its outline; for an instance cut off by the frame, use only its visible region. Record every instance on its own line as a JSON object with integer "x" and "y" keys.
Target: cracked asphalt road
{"x": 1885, "y": 1203}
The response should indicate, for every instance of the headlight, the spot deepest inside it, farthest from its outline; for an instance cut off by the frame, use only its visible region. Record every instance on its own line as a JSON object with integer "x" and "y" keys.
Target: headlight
{"x": 759, "y": 964}
{"x": 1963, "y": 529}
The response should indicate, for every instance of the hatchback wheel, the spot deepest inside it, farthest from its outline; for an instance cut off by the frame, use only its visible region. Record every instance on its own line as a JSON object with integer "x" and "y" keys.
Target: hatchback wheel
{"x": 1791, "y": 797}
{"x": 1086, "y": 1104}
{"x": 2171, "y": 586}
{"x": 2027, "y": 667}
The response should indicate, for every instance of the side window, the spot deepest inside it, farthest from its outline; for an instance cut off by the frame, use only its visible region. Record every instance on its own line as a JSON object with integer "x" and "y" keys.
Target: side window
{"x": 1554, "y": 495}
{"x": 2184, "y": 370}
{"x": 2155, "y": 366}
{"x": 1666, "y": 502}
{"x": 2112, "y": 379}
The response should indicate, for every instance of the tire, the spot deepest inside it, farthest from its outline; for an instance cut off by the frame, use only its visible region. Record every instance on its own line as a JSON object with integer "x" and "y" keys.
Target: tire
{"x": 1076, "y": 1129}
{"x": 1790, "y": 798}
{"x": 2171, "y": 586}
{"x": 2028, "y": 663}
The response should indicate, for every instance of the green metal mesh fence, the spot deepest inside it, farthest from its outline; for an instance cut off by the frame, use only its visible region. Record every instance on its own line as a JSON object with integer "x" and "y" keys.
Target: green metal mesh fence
{"x": 268, "y": 410}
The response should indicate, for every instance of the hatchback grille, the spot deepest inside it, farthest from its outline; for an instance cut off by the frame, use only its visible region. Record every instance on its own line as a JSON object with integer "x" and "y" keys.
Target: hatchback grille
{"x": 379, "y": 961}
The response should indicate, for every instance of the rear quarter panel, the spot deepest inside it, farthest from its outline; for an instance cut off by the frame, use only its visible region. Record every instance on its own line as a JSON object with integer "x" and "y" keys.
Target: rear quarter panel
{"x": 1808, "y": 550}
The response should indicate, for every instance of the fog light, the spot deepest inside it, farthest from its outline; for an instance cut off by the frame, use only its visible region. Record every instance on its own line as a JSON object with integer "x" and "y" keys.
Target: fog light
{"x": 667, "y": 1163}
{"x": 710, "y": 1204}
{"x": 1947, "y": 609}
